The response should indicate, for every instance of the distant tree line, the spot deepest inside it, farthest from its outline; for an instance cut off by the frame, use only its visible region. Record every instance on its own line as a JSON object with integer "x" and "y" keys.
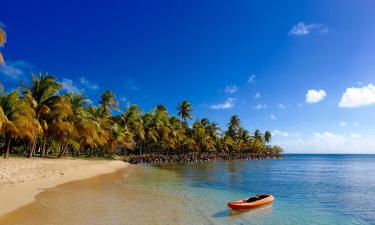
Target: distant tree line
{"x": 36, "y": 120}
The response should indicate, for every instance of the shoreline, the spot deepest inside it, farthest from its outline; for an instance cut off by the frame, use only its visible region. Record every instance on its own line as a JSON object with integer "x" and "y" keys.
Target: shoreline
{"x": 196, "y": 157}
{"x": 21, "y": 180}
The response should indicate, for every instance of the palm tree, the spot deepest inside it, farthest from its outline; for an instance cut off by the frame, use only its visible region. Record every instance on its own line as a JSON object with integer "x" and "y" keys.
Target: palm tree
{"x": 184, "y": 110}
{"x": 108, "y": 102}
{"x": 234, "y": 127}
{"x": 17, "y": 118}
{"x": 3, "y": 39}
{"x": 133, "y": 121}
{"x": 202, "y": 140}
{"x": 258, "y": 135}
{"x": 267, "y": 137}
{"x": 120, "y": 137}
{"x": 41, "y": 96}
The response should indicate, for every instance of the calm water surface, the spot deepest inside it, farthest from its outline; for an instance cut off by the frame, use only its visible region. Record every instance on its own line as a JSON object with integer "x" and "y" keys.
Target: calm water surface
{"x": 309, "y": 189}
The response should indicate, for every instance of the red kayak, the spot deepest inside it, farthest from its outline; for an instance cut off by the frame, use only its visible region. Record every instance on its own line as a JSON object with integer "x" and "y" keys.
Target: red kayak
{"x": 251, "y": 202}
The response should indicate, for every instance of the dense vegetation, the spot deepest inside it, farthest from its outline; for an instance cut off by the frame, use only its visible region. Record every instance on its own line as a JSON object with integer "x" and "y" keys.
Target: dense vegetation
{"x": 37, "y": 120}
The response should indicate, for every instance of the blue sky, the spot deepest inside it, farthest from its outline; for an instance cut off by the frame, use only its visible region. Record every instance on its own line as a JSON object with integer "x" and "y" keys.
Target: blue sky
{"x": 303, "y": 70}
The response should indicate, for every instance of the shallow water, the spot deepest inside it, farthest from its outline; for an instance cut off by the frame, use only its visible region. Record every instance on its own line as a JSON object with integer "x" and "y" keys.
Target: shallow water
{"x": 308, "y": 189}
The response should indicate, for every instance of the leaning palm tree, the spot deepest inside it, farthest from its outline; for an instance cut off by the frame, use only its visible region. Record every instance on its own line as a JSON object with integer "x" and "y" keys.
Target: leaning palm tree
{"x": 3, "y": 39}
{"x": 108, "y": 102}
{"x": 41, "y": 96}
{"x": 184, "y": 110}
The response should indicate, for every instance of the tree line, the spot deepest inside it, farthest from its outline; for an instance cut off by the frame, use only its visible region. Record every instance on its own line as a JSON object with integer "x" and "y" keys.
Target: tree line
{"x": 37, "y": 120}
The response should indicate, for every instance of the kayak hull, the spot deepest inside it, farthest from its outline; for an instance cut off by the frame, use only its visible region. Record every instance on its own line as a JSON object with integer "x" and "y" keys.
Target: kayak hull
{"x": 242, "y": 204}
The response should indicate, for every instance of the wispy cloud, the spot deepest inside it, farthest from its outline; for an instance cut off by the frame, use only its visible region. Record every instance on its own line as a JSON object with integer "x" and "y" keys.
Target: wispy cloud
{"x": 315, "y": 96}
{"x": 131, "y": 84}
{"x": 231, "y": 89}
{"x": 227, "y": 104}
{"x": 283, "y": 106}
{"x": 343, "y": 124}
{"x": 257, "y": 95}
{"x": 16, "y": 70}
{"x": 358, "y": 96}
{"x": 88, "y": 84}
{"x": 302, "y": 29}
{"x": 260, "y": 106}
{"x": 280, "y": 133}
{"x": 273, "y": 117}
{"x": 251, "y": 79}
{"x": 69, "y": 86}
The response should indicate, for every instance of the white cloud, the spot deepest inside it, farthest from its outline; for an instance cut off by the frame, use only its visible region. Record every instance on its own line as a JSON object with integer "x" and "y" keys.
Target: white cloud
{"x": 283, "y": 106}
{"x": 88, "y": 84}
{"x": 279, "y": 133}
{"x": 302, "y": 29}
{"x": 343, "y": 124}
{"x": 327, "y": 142}
{"x": 69, "y": 86}
{"x": 300, "y": 105}
{"x": 273, "y": 117}
{"x": 231, "y": 89}
{"x": 257, "y": 95}
{"x": 315, "y": 96}
{"x": 227, "y": 104}
{"x": 358, "y": 96}
{"x": 260, "y": 106}
{"x": 15, "y": 70}
{"x": 355, "y": 135}
{"x": 251, "y": 79}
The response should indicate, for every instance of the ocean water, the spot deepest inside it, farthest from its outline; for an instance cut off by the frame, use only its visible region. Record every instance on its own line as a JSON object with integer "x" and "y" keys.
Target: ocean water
{"x": 308, "y": 189}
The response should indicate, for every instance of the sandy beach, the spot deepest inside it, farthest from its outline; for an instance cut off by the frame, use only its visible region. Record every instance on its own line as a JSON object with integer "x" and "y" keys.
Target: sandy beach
{"x": 22, "y": 179}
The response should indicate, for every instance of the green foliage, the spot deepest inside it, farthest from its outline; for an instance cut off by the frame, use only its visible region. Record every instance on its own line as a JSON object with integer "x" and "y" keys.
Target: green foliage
{"x": 49, "y": 123}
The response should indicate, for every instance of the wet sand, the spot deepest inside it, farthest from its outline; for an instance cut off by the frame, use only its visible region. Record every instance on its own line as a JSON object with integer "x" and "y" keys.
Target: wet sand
{"x": 104, "y": 199}
{"x": 21, "y": 180}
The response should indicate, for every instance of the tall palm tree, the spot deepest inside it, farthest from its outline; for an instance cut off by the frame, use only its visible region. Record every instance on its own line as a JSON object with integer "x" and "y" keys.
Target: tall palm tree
{"x": 17, "y": 118}
{"x": 184, "y": 110}
{"x": 202, "y": 140}
{"x": 132, "y": 119}
{"x": 234, "y": 127}
{"x": 82, "y": 126}
{"x": 108, "y": 102}
{"x": 3, "y": 39}
{"x": 267, "y": 137}
{"x": 41, "y": 96}
{"x": 258, "y": 135}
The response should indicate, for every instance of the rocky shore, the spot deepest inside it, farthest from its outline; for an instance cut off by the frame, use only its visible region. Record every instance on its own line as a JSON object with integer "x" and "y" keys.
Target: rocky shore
{"x": 195, "y": 157}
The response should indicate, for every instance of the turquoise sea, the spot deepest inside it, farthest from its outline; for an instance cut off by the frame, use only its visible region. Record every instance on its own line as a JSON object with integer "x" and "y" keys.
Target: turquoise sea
{"x": 308, "y": 189}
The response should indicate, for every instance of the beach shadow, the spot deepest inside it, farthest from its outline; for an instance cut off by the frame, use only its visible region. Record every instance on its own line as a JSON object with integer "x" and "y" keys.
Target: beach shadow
{"x": 247, "y": 212}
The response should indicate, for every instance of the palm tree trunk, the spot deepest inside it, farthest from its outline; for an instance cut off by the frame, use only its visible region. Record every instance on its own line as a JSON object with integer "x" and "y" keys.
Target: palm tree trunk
{"x": 32, "y": 148}
{"x": 44, "y": 146}
{"x": 7, "y": 149}
{"x": 63, "y": 150}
